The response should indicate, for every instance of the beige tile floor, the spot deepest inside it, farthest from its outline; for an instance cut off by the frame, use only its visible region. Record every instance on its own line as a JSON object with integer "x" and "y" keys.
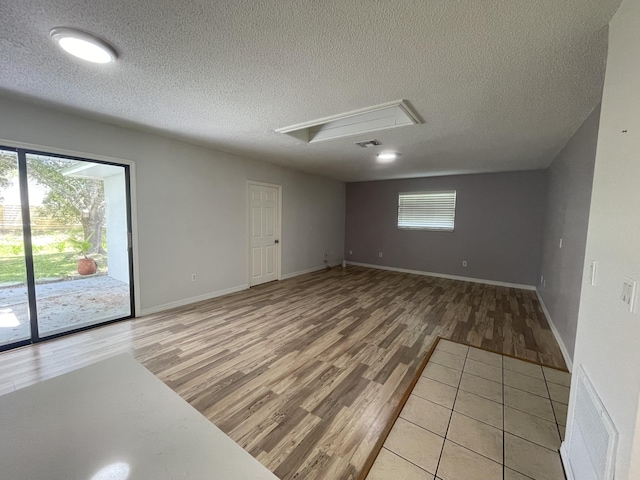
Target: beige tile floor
{"x": 478, "y": 415}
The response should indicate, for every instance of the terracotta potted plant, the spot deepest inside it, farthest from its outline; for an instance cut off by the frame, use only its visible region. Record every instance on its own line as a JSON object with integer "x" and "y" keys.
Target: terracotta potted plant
{"x": 86, "y": 265}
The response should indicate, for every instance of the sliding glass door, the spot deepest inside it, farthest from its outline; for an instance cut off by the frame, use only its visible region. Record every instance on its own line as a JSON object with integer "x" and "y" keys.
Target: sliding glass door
{"x": 67, "y": 262}
{"x": 14, "y": 307}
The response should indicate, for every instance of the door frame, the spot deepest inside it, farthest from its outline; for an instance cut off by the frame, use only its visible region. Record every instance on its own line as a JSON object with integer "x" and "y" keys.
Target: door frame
{"x": 22, "y": 149}
{"x": 11, "y": 144}
{"x": 248, "y": 227}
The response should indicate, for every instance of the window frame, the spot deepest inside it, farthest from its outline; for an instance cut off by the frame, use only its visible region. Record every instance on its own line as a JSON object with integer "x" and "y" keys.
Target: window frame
{"x": 428, "y": 229}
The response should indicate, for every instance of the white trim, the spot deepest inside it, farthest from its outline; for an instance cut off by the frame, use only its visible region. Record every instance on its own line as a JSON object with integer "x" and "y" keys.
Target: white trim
{"x": 187, "y": 301}
{"x": 563, "y": 347}
{"x": 341, "y": 116}
{"x": 248, "y": 225}
{"x": 132, "y": 195}
{"x": 134, "y": 237}
{"x": 64, "y": 151}
{"x": 308, "y": 270}
{"x": 564, "y": 457}
{"x": 444, "y": 275}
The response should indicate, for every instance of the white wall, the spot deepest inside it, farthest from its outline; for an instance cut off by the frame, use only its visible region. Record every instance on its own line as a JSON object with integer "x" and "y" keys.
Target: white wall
{"x": 608, "y": 337}
{"x": 191, "y": 204}
{"x": 115, "y": 199}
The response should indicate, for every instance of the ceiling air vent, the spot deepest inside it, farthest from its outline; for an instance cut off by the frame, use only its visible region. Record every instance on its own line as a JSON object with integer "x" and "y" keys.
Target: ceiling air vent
{"x": 369, "y": 143}
{"x": 371, "y": 119}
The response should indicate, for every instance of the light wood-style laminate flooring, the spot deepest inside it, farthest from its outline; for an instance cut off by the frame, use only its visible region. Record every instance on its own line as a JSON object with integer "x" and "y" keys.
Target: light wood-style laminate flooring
{"x": 304, "y": 373}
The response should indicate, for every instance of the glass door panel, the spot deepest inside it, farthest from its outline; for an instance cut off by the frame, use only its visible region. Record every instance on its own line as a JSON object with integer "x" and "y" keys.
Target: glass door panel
{"x": 14, "y": 303}
{"x": 79, "y": 234}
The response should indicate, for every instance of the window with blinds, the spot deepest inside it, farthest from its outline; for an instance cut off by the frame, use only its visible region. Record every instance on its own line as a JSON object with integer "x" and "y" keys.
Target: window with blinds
{"x": 427, "y": 210}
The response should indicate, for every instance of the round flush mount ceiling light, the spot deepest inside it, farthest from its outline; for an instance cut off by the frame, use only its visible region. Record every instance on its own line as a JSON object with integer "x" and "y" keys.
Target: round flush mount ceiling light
{"x": 387, "y": 157}
{"x": 83, "y": 45}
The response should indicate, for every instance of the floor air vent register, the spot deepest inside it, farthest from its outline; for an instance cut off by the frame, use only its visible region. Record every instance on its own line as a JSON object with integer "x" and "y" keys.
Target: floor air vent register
{"x": 589, "y": 451}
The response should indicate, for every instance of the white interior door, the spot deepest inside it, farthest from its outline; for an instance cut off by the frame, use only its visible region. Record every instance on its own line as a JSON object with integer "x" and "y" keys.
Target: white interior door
{"x": 264, "y": 228}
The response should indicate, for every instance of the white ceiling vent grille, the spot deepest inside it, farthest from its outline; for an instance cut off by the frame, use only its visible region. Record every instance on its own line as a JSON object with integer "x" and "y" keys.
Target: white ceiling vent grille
{"x": 589, "y": 450}
{"x": 372, "y": 119}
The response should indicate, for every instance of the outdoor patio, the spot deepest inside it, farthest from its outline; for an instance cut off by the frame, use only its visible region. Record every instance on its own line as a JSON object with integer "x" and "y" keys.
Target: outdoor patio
{"x": 62, "y": 306}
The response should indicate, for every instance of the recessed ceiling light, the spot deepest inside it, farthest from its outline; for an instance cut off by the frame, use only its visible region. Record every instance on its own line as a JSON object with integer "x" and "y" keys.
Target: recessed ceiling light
{"x": 83, "y": 45}
{"x": 387, "y": 157}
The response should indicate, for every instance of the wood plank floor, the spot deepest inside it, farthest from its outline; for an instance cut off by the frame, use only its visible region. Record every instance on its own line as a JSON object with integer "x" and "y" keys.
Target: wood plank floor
{"x": 304, "y": 373}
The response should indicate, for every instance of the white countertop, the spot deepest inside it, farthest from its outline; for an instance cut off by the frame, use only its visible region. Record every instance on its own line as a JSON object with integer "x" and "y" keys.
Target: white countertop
{"x": 114, "y": 420}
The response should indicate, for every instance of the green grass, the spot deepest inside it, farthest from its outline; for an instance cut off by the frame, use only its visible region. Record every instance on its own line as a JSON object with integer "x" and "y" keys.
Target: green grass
{"x": 53, "y": 256}
{"x": 12, "y": 269}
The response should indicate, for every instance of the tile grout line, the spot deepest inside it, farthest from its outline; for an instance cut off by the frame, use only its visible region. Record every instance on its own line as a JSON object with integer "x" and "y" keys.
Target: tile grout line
{"x": 518, "y": 436}
{"x": 473, "y": 451}
{"x": 548, "y": 398}
{"x": 529, "y": 413}
{"x": 478, "y": 376}
{"x": 504, "y": 435}
{"x": 531, "y": 393}
{"x": 508, "y": 355}
{"x": 406, "y": 460}
{"x": 473, "y": 418}
{"x": 419, "y": 426}
{"x": 530, "y": 441}
{"x": 492, "y": 401}
{"x": 444, "y": 442}
{"x": 426, "y": 429}
{"x": 503, "y": 432}
{"x": 546, "y": 384}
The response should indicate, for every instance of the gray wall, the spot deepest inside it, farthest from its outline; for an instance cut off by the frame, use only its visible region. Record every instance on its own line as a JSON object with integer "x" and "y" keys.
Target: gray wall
{"x": 570, "y": 178}
{"x": 192, "y": 204}
{"x": 498, "y": 226}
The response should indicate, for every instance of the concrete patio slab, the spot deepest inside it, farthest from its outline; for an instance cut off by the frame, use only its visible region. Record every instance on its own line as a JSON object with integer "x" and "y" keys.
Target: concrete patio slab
{"x": 62, "y": 306}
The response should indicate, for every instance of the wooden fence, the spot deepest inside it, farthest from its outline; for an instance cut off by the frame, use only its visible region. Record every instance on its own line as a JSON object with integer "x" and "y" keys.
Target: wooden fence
{"x": 11, "y": 219}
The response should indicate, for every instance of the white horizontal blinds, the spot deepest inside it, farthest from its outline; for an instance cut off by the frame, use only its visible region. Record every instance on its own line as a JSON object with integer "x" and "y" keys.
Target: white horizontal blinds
{"x": 427, "y": 210}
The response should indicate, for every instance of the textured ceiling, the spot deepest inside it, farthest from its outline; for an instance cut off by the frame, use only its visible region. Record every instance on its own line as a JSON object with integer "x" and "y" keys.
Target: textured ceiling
{"x": 501, "y": 85}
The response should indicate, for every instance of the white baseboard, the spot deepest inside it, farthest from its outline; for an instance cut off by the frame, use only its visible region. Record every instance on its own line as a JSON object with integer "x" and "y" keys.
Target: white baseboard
{"x": 563, "y": 347}
{"x": 308, "y": 270}
{"x": 444, "y": 275}
{"x": 219, "y": 293}
{"x": 187, "y": 301}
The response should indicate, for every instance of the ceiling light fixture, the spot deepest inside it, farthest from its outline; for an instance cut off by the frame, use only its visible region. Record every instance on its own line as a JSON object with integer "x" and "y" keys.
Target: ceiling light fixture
{"x": 387, "y": 157}
{"x": 83, "y": 45}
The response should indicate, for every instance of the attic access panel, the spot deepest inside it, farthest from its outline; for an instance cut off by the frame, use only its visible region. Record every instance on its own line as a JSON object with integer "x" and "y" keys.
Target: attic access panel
{"x": 371, "y": 119}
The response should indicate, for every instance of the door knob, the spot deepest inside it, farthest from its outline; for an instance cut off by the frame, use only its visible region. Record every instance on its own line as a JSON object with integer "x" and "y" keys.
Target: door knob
{"x": 277, "y": 241}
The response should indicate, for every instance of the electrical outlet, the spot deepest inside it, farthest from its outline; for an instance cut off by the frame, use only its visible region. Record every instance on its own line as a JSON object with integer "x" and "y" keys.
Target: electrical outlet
{"x": 628, "y": 292}
{"x": 350, "y": 252}
{"x": 541, "y": 279}
{"x": 464, "y": 263}
{"x": 380, "y": 254}
{"x": 193, "y": 277}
